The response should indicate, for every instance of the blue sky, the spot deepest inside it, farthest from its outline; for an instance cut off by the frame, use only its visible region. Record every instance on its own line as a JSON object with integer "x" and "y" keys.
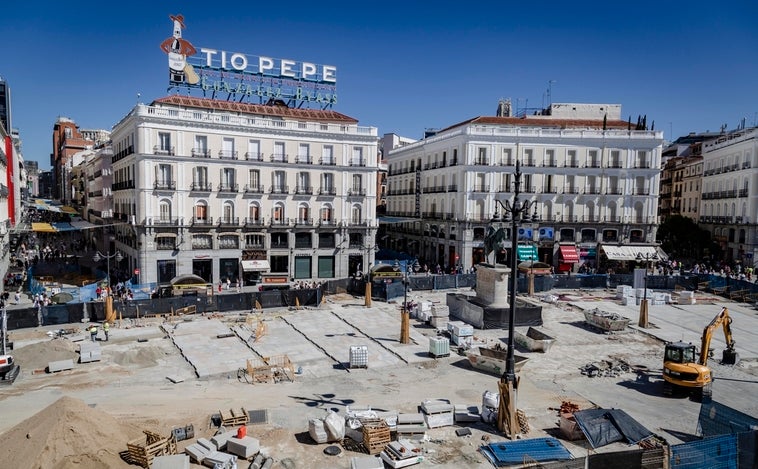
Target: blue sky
{"x": 401, "y": 66}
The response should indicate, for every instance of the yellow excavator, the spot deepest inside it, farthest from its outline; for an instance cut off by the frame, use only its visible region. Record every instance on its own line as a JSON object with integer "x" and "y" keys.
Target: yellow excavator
{"x": 684, "y": 369}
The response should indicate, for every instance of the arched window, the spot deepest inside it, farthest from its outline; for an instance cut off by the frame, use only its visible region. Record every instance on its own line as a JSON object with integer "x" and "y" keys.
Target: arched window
{"x": 165, "y": 211}
{"x": 228, "y": 212}
{"x": 201, "y": 212}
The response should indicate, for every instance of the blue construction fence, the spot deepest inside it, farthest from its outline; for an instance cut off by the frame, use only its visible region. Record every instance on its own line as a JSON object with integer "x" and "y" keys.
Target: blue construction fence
{"x": 75, "y": 312}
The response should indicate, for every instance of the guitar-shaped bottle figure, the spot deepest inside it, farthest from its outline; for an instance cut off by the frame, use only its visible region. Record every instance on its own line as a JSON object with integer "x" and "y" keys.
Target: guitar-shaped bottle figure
{"x": 178, "y": 49}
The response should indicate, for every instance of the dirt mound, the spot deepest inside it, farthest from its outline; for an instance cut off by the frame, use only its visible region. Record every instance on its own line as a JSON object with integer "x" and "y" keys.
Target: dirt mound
{"x": 142, "y": 356}
{"x": 39, "y": 355}
{"x": 66, "y": 434}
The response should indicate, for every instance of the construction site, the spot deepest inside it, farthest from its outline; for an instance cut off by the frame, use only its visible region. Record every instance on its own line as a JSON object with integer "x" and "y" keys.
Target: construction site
{"x": 333, "y": 386}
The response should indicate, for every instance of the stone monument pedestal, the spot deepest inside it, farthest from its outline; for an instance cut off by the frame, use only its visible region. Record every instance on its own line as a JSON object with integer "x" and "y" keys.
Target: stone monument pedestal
{"x": 492, "y": 285}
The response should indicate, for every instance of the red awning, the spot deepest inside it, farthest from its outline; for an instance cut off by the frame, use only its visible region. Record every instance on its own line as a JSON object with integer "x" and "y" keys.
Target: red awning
{"x": 568, "y": 253}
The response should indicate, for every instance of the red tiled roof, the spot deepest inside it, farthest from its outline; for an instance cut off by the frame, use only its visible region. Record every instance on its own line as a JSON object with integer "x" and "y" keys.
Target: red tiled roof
{"x": 277, "y": 110}
{"x": 544, "y": 122}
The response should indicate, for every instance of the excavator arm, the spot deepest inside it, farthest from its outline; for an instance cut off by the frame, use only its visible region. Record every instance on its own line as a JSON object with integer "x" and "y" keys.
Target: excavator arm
{"x": 722, "y": 319}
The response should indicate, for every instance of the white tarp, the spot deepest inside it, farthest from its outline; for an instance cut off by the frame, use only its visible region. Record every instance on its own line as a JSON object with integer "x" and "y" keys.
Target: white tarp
{"x": 255, "y": 266}
{"x": 629, "y": 253}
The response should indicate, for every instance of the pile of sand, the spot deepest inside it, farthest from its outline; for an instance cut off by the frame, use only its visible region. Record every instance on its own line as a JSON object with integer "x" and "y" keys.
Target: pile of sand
{"x": 37, "y": 356}
{"x": 67, "y": 434}
{"x": 142, "y": 356}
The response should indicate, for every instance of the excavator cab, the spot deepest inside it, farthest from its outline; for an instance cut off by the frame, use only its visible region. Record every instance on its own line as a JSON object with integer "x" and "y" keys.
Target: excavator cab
{"x": 680, "y": 352}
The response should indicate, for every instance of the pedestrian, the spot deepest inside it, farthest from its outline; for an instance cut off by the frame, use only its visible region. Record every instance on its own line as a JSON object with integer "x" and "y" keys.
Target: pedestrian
{"x": 93, "y": 333}
{"x": 106, "y": 329}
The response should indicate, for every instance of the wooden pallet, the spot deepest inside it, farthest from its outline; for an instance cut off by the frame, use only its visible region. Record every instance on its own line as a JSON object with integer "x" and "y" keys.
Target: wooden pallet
{"x": 234, "y": 419}
{"x": 142, "y": 451}
{"x": 376, "y": 436}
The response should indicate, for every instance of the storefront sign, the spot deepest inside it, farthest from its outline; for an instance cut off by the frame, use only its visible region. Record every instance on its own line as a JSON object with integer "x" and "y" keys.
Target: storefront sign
{"x": 244, "y": 75}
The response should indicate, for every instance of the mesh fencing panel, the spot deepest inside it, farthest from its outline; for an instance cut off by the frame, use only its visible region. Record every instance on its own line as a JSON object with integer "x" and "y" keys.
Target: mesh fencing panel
{"x": 718, "y": 452}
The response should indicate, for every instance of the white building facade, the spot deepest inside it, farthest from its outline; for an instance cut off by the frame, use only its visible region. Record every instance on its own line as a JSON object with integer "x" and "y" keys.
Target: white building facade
{"x": 594, "y": 179}
{"x": 243, "y": 192}
{"x": 730, "y": 194}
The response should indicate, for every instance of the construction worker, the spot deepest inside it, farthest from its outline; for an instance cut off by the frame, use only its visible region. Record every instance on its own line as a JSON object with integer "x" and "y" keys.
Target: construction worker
{"x": 93, "y": 332}
{"x": 106, "y": 329}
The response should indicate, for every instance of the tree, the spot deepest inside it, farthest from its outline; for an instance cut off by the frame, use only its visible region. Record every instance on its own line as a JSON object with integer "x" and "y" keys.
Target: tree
{"x": 682, "y": 239}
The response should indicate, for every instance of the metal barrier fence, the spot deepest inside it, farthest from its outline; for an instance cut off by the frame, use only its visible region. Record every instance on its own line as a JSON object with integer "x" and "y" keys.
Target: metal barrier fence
{"x": 718, "y": 452}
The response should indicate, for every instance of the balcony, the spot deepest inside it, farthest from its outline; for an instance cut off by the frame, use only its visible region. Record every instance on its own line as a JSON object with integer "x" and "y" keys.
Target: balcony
{"x": 159, "y": 150}
{"x": 228, "y": 188}
{"x": 434, "y": 189}
{"x": 328, "y": 161}
{"x": 613, "y": 191}
{"x": 615, "y": 165}
{"x": 201, "y": 187}
{"x": 571, "y": 190}
{"x": 571, "y": 164}
{"x": 255, "y": 246}
{"x": 358, "y": 162}
{"x": 253, "y": 222}
{"x": 164, "y": 185}
{"x": 482, "y": 161}
{"x": 227, "y": 154}
{"x": 356, "y": 192}
{"x": 253, "y": 156}
{"x": 356, "y": 222}
{"x": 592, "y": 190}
{"x": 302, "y": 190}
{"x": 642, "y": 191}
{"x": 119, "y": 186}
{"x": 254, "y": 189}
{"x": 202, "y": 221}
{"x": 327, "y": 222}
{"x": 200, "y": 153}
{"x": 300, "y": 159}
{"x": 280, "y": 222}
{"x": 165, "y": 221}
{"x": 277, "y": 158}
{"x": 327, "y": 191}
{"x": 743, "y": 192}
{"x": 280, "y": 190}
{"x": 229, "y": 221}
{"x": 304, "y": 222}
{"x": 480, "y": 188}
{"x": 592, "y": 164}
{"x": 550, "y": 163}
{"x": 643, "y": 165}
{"x": 280, "y": 245}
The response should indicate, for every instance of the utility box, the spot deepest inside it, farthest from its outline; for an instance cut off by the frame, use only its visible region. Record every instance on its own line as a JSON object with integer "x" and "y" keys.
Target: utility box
{"x": 358, "y": 356}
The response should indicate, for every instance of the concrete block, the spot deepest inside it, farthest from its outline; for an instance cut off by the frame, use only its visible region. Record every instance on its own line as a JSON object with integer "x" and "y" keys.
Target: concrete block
{"x": 245, "y": 447}
{"x": 207, "y": 444}
{"x": 221, "y": 439}
{"x": 405, "y": 419}
{"x": 443, "y": 419}
{"x": 222, "y": 459}
{"x": 197, "y": 452}
{"x": 174, "y": 461}
{"x": 366, "y": 462}
{"x": 60, "y": 365}
{"x": 440, "y": 322}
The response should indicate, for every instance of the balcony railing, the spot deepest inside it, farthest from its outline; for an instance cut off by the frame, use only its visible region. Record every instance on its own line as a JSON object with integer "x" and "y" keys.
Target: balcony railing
{"x": 452, "y": 188}
{"x": 228, "y": 188}
{"x": 480, "y": 188}
{"x": 159, "y": 150}
{"x": 327, "y": 222}
{"x": 356, "y": 192}
{"x": 357, "y": 162}
{"x": 165, "y": 221}
{"x": 301, "y": 190}
{"x": 300, "y": 159}
{"x": 592, "y": 190}
{"x": 201, "y": 187}
{"x": 304, "y": 222}
{"x": 118, "y": 186}
{"x": 613, "y": 191}
{"x": 200, "y": 153}
{"x": 253, "y": 156}
{"x": 356, "y": 222}
{"x": 254, "y": 221}
{"x": 571, "y": 164}
{"x": 280, "y": 189}
{"x": 254, "y": 189}
{"x": 205, "y": 221}
{"x": 328, "y": 161}
{"x": 164, "y": 185}
{"x": 327, "y": 191}
{"x": 227, "y": 154}
{"x": 550, "y": 163}
{"x": 280, "y": 222}
{"x": 229, "y": 221}
{"x": 277, "y": 158}
{"x": 615, "y": 165}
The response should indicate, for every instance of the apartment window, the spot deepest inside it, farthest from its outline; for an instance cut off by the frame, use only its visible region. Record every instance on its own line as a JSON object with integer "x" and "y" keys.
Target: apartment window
{"x": 254, "y": 212}
{"x": 357, "y": 187}
{"x": 277, "y": 213}
{"x": 200, "y": 176}
{"x": 228, "y": 211}
{"x": 304, "y": 183}
{"x": 481, "y": 157}
{"x": 254, "y": 241}
{"x": 279, "y": 240}
{"x": 163, "y": 175}
{"x": 228, "y": 179}
{"x": 303, "y": 214}
{"x": 202, "y": 241}
{"x": 279, "y": 181}
{"x": 327, "y": 155}
{"x": 304, "y": 153}
{"x": 164, "y": 139}
{"x": 279, "y": 151}
{"x": 326, "y": 240}
{"x": 358, "y": 156}
{"x": 327, "y": 183}
{"x": 550, "y": 158}
{"x": 356, "y": 213}
{"x": 201, "y": 145}
{"x": 201, "y": 211}
{"x": 253, "y": 149}
{"x": 165, "y": 211}
{"x": 529, "y": 157}
{"x": 227, "y": 148}
{"x": 254, "y": 178}
{"x": 571, "y": 159}
{"x": 325, "y": 215}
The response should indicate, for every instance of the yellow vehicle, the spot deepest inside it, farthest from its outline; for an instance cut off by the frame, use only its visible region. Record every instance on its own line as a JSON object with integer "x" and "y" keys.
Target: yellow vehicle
{"x": 684, "y": 369}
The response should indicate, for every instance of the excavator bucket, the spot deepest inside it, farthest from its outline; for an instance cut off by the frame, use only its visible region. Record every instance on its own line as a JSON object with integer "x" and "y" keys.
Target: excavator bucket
{"x": 730, "y": 357}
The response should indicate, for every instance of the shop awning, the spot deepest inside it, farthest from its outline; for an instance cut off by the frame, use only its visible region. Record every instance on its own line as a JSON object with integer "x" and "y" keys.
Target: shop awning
{"x": 527, "y": 253}
{"x": 62, "y": 226}
{"x": 43, "y": 227}
{"x": 629, "y": 253}
{"x": 255, "y": 266}
{"x": 67, "y": 209}
{"x": 568, "y": 253}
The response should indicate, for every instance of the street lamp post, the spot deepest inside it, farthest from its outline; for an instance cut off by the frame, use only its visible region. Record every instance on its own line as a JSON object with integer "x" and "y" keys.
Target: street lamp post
{"x": 405, "y": 320}
{"x": 643, "y": 322}
{"x": 115, "y": 256}
{"x": 513, "y": 213}
{"x": 367, "y": 277}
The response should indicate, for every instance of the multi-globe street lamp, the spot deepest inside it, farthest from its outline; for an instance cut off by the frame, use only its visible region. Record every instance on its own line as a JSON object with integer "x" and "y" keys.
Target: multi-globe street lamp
{"x": 405, "y": 320}
{"x": 643, "y": 322}
{"x": 115, "y": 256}
{"x": 514, "y": 213}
